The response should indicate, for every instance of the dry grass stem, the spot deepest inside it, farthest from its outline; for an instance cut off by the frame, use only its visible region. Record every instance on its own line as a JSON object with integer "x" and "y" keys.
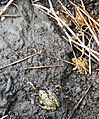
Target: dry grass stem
{"x": 10, "y": 15}
{"x": 85, "y": 13}
{"x": 94, "y": 35}
{"x": 42, "y": 67}
{"x": 20, "y": 60}
{"x": 89, "y": 58}
{"x": 5, "y": 7}
{"x": 22, "y": 15}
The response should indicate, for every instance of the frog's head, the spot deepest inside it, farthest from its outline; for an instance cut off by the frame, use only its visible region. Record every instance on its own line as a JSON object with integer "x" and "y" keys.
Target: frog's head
{"x": 42, "y": 93}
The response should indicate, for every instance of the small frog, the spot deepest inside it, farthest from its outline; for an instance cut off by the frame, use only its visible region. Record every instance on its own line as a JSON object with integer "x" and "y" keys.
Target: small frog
{"x": 48, "y": 100}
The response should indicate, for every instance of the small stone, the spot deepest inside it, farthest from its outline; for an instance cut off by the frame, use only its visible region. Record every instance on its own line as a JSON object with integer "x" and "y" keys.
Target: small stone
{"x": 2, "y": 44}
{"x": 78, "y": 89}
{"x": 2, "y": 18}
{"x": 97, "y": 80}
{"x": 84, "y": 103}
{"x": 14, "y": 73}
{"x": 3, "y": 102}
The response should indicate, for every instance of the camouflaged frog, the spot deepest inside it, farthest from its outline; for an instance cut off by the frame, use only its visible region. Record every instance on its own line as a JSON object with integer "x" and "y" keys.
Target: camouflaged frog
{"x": 48, "y": 100}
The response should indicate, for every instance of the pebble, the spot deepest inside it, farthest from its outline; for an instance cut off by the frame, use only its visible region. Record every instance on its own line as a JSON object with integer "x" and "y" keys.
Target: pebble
{"x": 78, "y": 89}
{"x": 8, "y": 86}
{"x": 84, "y": 102}
{"x": 97, "y": 80}
{"x": 3, "y": 102}
{"x": 2, "y": 44}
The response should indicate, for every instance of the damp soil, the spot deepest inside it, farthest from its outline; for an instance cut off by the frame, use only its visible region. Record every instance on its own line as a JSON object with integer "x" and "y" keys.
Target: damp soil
{"x": 19, "y": 40}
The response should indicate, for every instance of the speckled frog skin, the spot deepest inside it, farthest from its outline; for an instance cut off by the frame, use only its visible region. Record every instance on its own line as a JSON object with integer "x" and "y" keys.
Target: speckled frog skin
{"x": 48, "y": 100}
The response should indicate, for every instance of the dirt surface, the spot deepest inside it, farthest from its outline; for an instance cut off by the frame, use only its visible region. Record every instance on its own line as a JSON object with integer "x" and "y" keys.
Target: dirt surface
{"x": 18, "y": 40}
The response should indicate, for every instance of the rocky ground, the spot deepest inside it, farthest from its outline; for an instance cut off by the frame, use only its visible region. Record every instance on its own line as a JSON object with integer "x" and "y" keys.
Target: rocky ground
{"x": 19, "y": 40}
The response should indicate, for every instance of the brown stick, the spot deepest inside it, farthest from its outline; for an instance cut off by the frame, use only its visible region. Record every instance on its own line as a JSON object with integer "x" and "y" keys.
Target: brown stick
{"x": 20, "y": 60}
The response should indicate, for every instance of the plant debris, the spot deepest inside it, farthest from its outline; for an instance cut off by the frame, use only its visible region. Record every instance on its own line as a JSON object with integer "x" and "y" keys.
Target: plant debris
{"x": 86, "y": 33}
{"x": 80, "y": 64}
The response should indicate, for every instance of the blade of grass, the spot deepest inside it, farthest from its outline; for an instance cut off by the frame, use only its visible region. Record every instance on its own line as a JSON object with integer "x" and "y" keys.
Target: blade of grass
{"x": 42, "y": 67}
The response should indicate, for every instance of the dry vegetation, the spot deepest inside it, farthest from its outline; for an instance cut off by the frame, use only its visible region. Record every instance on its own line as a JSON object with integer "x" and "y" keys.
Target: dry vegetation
{"x": 84, "y": 38}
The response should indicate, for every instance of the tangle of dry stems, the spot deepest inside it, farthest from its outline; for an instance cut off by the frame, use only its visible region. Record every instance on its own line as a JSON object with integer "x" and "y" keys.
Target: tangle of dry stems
{"x": 82, "y": 19}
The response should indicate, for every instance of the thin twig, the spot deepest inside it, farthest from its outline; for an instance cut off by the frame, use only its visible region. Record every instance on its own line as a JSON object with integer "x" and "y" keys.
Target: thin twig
{"x": 42, "y": 67}
{"x": 5, "y": 7}
{"x": 79, "y": 102}
{"x": 86, "y": 54}
{"x": 85, "y": 13}
{"x": 94, "y": 36}
{"x": 22, "y": 15}
{"x": 89, "y": 58}
{"x": 83, "y": 6}
{"x": 59, "y": 59}
{"x": 10, "y": 15}
{"x": 31, "y": 85}
{"x": 53, "y": 12}
{"x": 20, "y": 60}
{"x": 67, "y": 12}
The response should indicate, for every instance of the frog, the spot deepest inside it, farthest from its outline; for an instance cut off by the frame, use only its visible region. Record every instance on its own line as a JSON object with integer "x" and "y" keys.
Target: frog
{"x": 48, "y": 100}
